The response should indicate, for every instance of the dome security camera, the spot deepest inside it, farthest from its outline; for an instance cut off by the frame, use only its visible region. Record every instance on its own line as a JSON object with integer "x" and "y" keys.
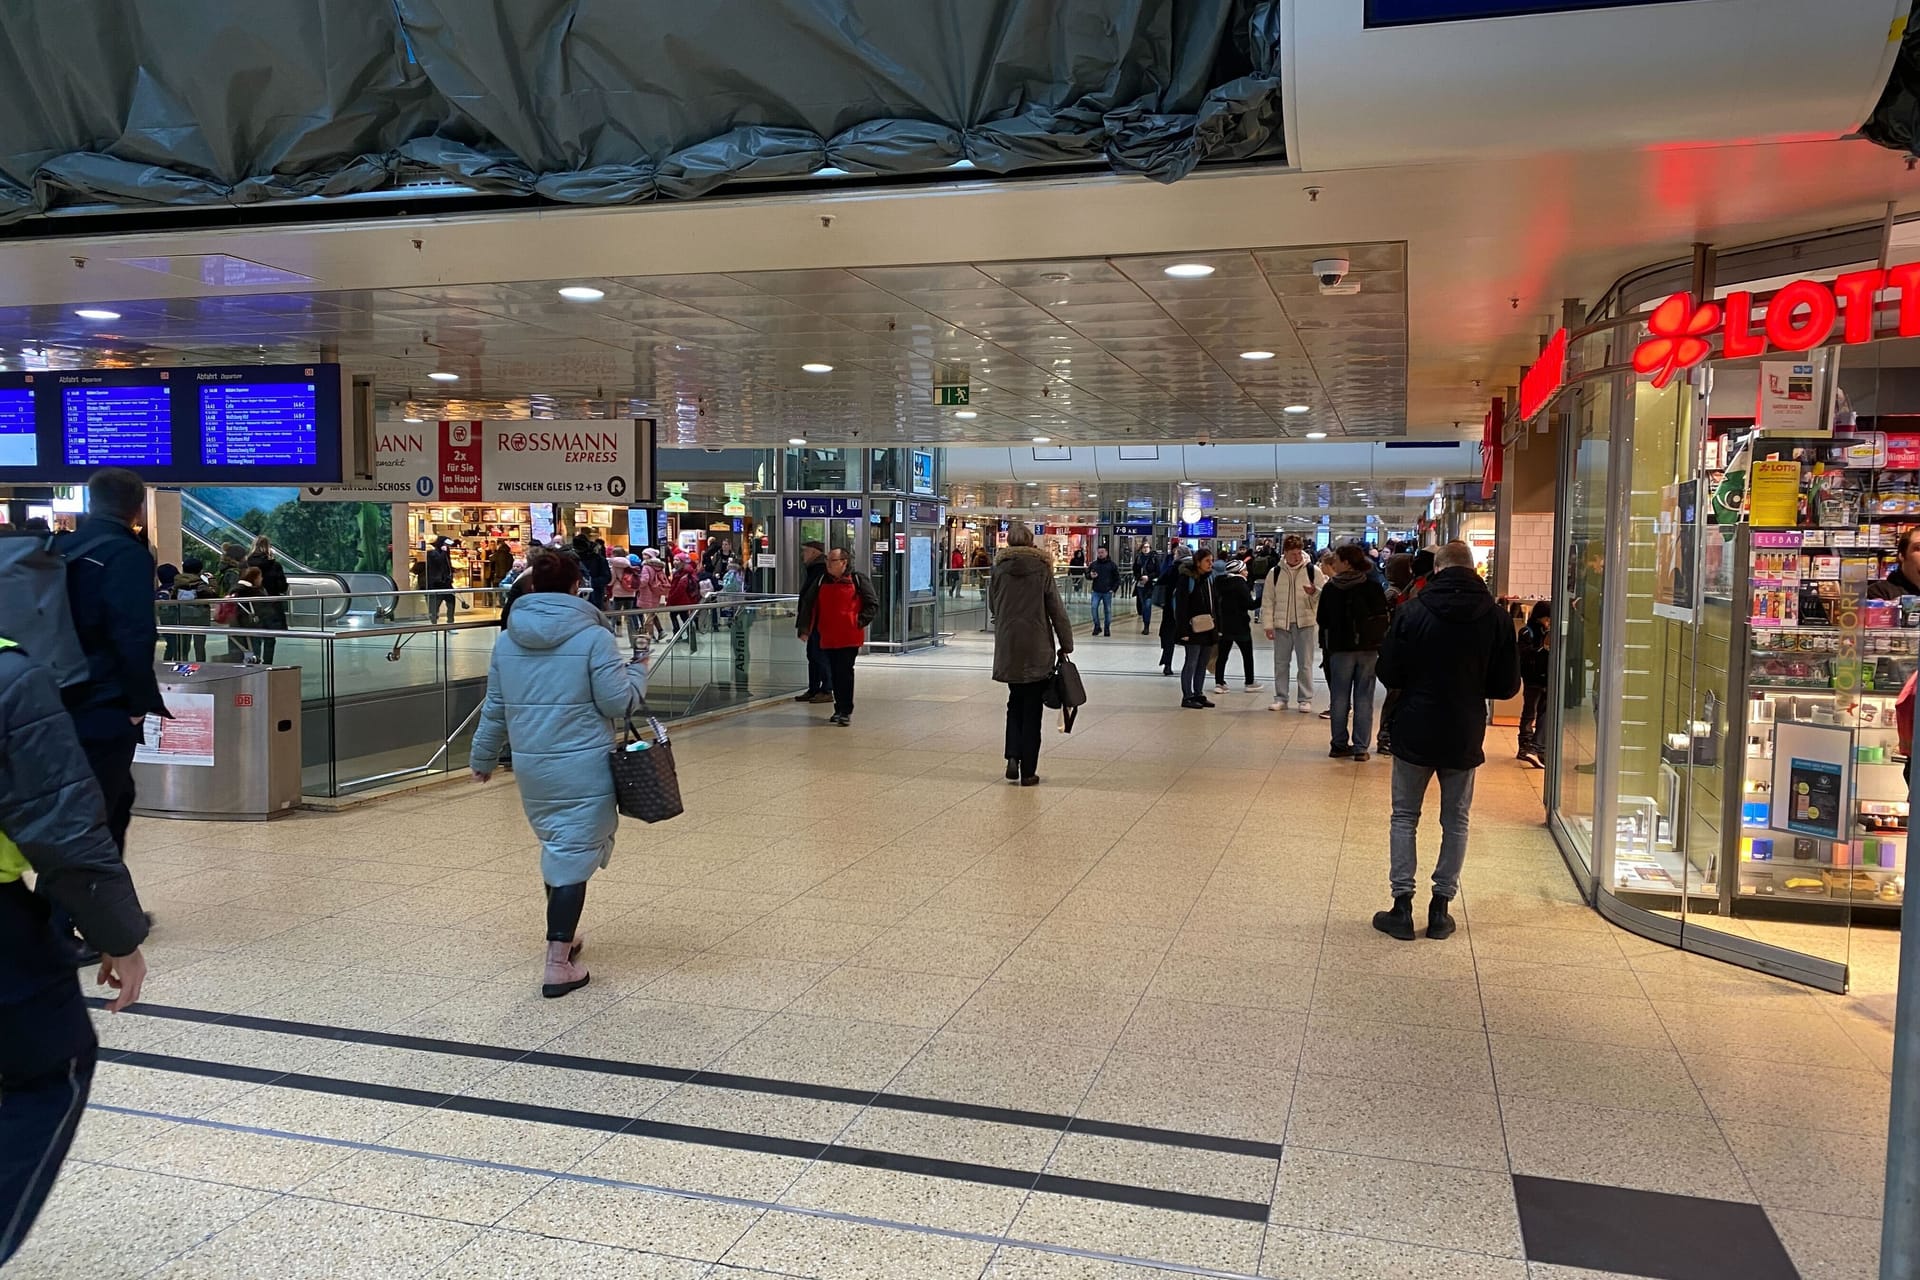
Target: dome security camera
{"x": 1331, "y": 271}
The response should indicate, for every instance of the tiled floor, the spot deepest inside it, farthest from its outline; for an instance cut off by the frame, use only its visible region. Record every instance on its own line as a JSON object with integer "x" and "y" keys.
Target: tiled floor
{"x": 868, "y": 1011}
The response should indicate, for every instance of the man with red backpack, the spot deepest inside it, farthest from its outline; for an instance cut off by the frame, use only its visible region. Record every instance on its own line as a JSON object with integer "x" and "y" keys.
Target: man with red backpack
{"x": 684, "y": 590}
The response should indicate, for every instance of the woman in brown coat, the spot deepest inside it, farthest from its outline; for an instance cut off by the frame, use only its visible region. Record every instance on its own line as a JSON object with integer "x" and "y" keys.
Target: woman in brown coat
{"x": 1030, "y": 631}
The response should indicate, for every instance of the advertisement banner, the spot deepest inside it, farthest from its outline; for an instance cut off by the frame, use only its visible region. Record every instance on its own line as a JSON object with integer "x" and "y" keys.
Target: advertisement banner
{"x": 507, "y": 460}
{"x": 1787, "y": 401}
{"x": 1773, "y": 501}
{"x": 187, "y": 738}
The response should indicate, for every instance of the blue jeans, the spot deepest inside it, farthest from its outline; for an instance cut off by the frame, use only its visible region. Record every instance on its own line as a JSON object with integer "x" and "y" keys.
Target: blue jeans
{"x": 1193, "y": 673}
{"x": 1145, "y": 604}
{"x": 1102, "y": 601}
{"x": 1350, "y": 681}
{"x": 1409, "y": 794}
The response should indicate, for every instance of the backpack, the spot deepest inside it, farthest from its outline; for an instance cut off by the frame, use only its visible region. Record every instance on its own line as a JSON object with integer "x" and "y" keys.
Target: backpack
{"x": 33, "y": 580}
{"x": 628, "y": 580}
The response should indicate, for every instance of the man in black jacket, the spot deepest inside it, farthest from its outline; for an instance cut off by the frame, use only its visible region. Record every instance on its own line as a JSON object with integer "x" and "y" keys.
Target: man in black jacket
{"x": 1450, "y": 648}
{"x": 1104, "y": 578}
{"x": 53, "y": 823}
{"x": 110, "y": 586}
{"x": 813, "y": 567}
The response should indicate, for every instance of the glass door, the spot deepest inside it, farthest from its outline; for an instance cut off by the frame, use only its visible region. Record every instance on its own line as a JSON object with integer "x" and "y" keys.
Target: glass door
{"x": 1579, "y": 613}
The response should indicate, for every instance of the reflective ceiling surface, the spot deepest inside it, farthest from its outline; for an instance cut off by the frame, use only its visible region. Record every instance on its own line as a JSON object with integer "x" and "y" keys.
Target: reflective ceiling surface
{"x": 1081, "y": 350}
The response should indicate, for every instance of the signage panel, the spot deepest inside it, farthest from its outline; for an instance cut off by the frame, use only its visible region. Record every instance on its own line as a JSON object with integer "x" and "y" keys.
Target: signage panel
{"x": 505, "y": 460}
{"x": 804, "y": 505}
{"x": 1547, "y": 376}
{"x": 213, "y": 424}
{"x": 1403, "y": 13}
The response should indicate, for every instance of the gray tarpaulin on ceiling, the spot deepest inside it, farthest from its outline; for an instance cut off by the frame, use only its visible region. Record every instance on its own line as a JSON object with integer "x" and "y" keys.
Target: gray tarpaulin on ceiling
{"x": 201, "y": 102}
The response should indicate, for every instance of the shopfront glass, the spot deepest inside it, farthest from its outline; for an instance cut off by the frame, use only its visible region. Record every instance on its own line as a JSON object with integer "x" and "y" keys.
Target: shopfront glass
{"x": 1579, "y": 612}
{"x": 823, "y": 470}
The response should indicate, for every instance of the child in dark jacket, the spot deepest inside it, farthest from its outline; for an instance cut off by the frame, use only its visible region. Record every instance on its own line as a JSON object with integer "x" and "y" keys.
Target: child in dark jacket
{"x": 1536, "y": 644}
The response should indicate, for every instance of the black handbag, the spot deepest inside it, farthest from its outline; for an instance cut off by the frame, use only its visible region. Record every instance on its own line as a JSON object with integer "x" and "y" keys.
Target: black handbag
{"x": 1065, "y": 692}
{"x": 645, "y": 785}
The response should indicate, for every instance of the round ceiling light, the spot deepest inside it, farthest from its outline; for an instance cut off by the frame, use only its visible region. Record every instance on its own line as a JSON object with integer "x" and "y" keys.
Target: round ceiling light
{"x": 814, "y": 366}
{"x": 582, "y": 293}
{"x": 1256, "y": 355}
{"x": 97, "y": 313}
{"x": 1298, "y": 408}
{"x": 444, "y": 377}
{"x": 413, "y": 421}
{"x": 1316, "y": 435}
{"x": 965, "y": 413}
{"x": 1189, "y": 270}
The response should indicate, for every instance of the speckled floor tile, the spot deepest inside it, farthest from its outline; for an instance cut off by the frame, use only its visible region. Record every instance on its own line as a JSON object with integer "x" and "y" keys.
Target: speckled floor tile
{"x": 1648, "y": 1151}
{"x": 296, "y": 1238}
{"x": 435, "y": 1188}
{"x": 1214, "y": 1032}
{"x": 515, "y": 1255}
{"x": 323, "y": 1115}
{"x": 240, "y": 1159}
{"x": 687, "y": 1166}
{"x": 1157, "y": 1235}
{"x": 912, "y": 950}
{"x": 1599, "y": 1075}
{"x": 1622, "y": 1020}
{"x": 886, "y": 995}
{"x": 792, "y": 1244}
{"x": 944, "y": 1203}
{"x": 669, "y": 1033}
{"x": 1404, "y": 1001}
{"x": 1001, "y": 1072}
{"x": 1150, "y": 1164}
{"x": 1388, "y": 1052}
{"x": 629, "y": 1219}
{"x": 737, "y": 982}
{"x": 833, "y": 1051}
{"x": 1433, "y": 1206}
{"x": 496, "y": 1138}
{"x": 1295, "y": 1254}
{"x": 86, "y": 1229}
{"x": 1813, "y": 1170}
{"x": 1031, "y": 1011}
{"x": 1007, "y": 1146}
{"x": 1013, "y": 1263}
{"x": 712, "y": 1107}
{"x": 1398, "y": 1121}
{"x": 1828, "y": 1246}
{"x": 1850, "y": 1101}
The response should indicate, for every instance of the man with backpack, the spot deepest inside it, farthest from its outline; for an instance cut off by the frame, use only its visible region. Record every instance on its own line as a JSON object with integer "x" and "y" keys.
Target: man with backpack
{"x": 1450, "y": 649}
{"x": 1289, "y": 593}
{"x": 110, "y": 590}
{"x": 1352, "y": 613}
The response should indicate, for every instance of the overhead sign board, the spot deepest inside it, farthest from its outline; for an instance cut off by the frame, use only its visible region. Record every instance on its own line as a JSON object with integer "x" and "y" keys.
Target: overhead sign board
{"x": 1402, "y": 13}
{"x": 1799, "y": 317}
{"x": 807, "y": 507}
{"x": 506, "y": 460}
{"x": 1545, "y": 378}
{"x": 205, "y": 424}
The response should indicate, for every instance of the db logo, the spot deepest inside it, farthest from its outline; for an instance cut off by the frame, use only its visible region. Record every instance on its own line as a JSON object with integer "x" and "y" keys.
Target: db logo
{"x": 617, "y": 486}
{"x": 459, "y": 434}
{"x": 242, "y": 699}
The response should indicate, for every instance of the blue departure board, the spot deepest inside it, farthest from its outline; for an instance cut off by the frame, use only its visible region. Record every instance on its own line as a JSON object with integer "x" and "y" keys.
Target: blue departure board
{"x": 259, "y": 424}
{"x": 19, "y": 441}
{"x": 117, "y": 426}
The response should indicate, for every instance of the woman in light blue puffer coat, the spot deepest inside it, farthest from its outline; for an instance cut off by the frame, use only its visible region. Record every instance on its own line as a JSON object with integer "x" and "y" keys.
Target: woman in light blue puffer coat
{"x": 555, "y": 680}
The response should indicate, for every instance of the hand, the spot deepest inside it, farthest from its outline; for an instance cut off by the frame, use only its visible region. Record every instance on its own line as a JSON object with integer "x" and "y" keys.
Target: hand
{"x": 1269, "y": 633}
{"x": 1312, "y": 590}
{"x": 483, "y": 777}
{"x": 125, "y": 974}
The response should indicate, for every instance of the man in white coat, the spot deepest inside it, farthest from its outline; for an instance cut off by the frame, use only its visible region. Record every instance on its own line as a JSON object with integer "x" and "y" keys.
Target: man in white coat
{"x": 1289, "y": 605}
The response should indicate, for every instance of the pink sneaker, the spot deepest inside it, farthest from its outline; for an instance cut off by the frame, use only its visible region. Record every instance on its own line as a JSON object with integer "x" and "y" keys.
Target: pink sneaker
{"x": 564, "y": 973}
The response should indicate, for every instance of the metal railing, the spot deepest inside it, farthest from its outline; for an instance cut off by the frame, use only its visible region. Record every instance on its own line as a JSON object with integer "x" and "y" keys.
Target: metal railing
{"x": 386, "y": 702}
{"x": 966, "y": 600}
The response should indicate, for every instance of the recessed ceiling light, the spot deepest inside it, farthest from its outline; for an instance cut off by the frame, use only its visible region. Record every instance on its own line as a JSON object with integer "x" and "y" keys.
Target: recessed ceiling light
{"x": 444, "y": 377}
{"x": 1043, "y": 439}
{"x": 1316, "y": 435}
{"x": 796, "y": 439}
{"x": 97, "y": 313}
{"x": 1256, "y": 355}
{"x": 1189, "y": 270}
{"x": 1033, "y": 484}
{"x": 414, "y": 421}
{"x": 814, "y": 366}
{"x": 1298, "y": 408}
{"x": 582, "y": 293}
{"x": 965, "y": 413}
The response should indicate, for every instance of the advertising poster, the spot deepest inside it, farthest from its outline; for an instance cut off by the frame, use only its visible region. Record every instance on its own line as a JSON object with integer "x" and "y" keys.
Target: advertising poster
{"x": 186, "y": 739}
{"x": 1812, "y": 779}
{"x": 1787, "y": 396}
{"x": 505, "y": 460}
{"x": 923, "y": 471}
{"x": 1674, "y": 540}
{"x": 920, "y": 563}
{"x": 1773, "y": 502}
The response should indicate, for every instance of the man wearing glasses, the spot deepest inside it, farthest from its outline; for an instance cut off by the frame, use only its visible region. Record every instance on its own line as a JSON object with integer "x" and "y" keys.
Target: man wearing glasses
{"x": 843, "y": 605}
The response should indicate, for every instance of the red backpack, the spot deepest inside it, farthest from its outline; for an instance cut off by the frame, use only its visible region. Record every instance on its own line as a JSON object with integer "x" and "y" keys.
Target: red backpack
{"x": 685, "y": 588}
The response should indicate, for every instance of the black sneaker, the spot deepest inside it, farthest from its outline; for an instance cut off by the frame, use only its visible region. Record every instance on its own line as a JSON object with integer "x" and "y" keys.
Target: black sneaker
{"x": 1013, "y": 769}
{"x": 803, "y": 697}
{"x": 1339, "y": 753}
{"x": 842, "y": 721}
{"x": 1208, "y": 702}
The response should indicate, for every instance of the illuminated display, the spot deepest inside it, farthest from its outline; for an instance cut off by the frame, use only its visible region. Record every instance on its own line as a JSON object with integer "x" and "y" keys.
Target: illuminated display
{"x": 19, "y": 443}
{"x": 265, "y": 424}
{"x": 116, "y": 426}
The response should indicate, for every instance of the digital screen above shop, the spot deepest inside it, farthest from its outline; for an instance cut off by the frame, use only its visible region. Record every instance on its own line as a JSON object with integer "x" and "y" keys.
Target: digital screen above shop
{"x": 243, "y": 424}
{"x": 1406, "y": 13}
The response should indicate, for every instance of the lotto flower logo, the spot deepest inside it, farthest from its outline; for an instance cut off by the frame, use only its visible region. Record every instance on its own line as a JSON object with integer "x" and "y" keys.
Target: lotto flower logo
{"x": 1679, "y": 341}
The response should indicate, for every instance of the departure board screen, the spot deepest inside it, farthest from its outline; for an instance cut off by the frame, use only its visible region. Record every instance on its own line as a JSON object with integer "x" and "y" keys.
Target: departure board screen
{"x": 258, "y": 424}
{"x": 19, "y": 440}
{"x": 117, "y": 426}
{"x": 183, "y": 424}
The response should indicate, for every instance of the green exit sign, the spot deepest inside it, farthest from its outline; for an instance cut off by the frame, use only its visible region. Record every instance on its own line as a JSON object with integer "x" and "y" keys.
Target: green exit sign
{"x": 962, "y": 394}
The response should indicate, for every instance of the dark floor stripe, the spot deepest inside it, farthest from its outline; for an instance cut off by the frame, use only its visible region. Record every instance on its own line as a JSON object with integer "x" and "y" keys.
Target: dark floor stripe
{"x": 717, "y": 1079}
{"x": 769, "y": 1144}
{"x": 1648, "y": 1233}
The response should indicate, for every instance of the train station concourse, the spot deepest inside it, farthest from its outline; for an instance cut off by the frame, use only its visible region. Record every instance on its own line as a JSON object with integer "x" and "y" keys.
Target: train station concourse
{"x": 837, "y": 640}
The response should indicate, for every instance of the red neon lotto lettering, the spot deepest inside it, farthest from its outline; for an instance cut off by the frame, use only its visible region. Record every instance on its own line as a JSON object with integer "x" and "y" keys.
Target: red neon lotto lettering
{"x": 1800, "y": 317}
{"x": 1790, "y": 333}
{"x": 1548, "y": 375}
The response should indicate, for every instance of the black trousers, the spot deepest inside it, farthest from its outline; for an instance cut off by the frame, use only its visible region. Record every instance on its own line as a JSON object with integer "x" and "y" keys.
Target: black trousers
{"x": 1026, "y": 706}
{"x": 112, "y": 763}
{"x": 1166, "y": 649}
{"x": 47, "y": 1053}
{"x": 1221, "y": 650}
{"x": 819, "y": 676}
{"x": 1533, "y": 700}
{"x": 840, "y": 666}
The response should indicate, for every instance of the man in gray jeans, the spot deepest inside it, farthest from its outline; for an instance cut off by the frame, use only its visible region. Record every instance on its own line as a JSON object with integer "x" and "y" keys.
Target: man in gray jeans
{"x": 1290, "y": 603}
{"x": 1450, "y": 648}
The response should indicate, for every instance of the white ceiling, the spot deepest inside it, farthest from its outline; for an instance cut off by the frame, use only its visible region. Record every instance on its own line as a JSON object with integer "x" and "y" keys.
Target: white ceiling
{"x": 1491, "y": 245}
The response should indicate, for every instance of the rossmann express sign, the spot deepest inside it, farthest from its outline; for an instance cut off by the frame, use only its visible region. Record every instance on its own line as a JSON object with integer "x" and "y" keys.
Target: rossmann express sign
{"x": 505, "y": 461}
